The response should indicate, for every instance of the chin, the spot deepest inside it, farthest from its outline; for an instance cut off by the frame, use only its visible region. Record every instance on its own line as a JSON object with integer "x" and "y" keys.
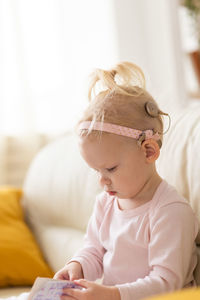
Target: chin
{"x": 125, "y": 196}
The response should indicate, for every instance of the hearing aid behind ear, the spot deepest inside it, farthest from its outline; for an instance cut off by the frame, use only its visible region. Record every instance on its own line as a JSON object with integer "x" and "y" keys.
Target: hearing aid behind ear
{"x": 151, "y": 109}
{"x": 141, "y": 139}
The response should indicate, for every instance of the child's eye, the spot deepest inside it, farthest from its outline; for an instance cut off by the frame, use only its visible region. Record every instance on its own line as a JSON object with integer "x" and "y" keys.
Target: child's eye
{"x": 112, "y": 169}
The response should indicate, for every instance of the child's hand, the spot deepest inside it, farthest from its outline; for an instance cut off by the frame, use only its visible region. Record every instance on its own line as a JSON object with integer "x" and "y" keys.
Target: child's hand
{"x": 71, "y": 271}
{"x": 91, "y": 291}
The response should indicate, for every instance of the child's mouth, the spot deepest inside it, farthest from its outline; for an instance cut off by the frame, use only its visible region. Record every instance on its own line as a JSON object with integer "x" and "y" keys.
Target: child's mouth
{"x": 111, "y": 193}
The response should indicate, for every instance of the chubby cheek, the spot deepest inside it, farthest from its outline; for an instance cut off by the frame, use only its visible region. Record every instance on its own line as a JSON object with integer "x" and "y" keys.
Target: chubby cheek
{"x": 132, "y": 181}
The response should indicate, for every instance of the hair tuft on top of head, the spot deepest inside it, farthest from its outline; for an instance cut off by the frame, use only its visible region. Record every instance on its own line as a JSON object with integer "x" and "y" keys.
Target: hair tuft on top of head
{"x": 123, "y": 77}
{"x": 119, "y": 97}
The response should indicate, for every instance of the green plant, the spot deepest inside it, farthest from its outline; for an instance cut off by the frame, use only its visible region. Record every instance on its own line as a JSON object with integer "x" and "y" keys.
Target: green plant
{"x": 193, "y": 7}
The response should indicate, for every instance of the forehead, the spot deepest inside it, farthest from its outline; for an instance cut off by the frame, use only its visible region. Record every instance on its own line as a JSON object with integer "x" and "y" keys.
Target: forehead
{"x": 103, "y": 151}
{"x": 106, "y": 141}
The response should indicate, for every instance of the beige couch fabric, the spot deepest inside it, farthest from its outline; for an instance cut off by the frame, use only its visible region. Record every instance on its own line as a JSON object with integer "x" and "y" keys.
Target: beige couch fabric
{"x": 59, "y": 194}
{"x": 179, "y": 162}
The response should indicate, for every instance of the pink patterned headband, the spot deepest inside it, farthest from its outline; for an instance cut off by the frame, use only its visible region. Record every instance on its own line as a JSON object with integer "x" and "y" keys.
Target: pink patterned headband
{"x": 120, "y": 130}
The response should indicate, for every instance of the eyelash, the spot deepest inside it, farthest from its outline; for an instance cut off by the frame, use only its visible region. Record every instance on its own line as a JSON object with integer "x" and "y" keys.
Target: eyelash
{"x": 109, "y": 169}
{"x": 112, "y": 169}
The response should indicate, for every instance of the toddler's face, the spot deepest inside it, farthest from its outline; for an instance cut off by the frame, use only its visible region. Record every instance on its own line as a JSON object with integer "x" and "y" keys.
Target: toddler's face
{"x": 120, "y": 163}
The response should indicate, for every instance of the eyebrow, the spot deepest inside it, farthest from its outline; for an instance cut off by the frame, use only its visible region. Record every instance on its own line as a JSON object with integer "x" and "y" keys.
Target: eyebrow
{"x": 106, "y": 168}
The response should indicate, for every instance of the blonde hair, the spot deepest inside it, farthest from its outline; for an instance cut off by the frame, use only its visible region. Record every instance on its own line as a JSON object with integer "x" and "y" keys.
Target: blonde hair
{"x": 122, "y": 99}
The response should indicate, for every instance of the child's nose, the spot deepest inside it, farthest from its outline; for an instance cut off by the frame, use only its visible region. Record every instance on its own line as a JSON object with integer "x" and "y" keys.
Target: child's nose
{"x": 104, "y": 180}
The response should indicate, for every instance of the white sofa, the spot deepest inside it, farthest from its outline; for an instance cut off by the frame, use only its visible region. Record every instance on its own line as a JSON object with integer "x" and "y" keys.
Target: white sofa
{"x": 60, "y": 189}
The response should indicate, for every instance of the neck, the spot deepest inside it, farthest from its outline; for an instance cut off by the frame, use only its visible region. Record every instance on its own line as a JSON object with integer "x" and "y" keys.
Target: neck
{"x": 144, "y": 195}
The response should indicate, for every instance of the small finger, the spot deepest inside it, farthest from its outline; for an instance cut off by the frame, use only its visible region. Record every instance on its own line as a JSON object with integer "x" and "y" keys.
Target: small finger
{"x": 62, "y": 275}
{"x": 73, "y": 277}
{"x": 84, "y": 283}
{"x": 74, "y": 293}
{"x": 66, "y": 297}
{"x": 56, "y": 276}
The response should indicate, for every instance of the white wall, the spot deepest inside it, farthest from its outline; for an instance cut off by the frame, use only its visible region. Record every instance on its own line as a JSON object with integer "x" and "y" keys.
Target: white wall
{"x": 149, "y": 35}
{"x": 50, "y": 46}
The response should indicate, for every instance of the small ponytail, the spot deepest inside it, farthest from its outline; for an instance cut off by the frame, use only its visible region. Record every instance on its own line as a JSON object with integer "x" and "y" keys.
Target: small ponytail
{"x": 123, "y": 77}
{"x": 119, "y": 97}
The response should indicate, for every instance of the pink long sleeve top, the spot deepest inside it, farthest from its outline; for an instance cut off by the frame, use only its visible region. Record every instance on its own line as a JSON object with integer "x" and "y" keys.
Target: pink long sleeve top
{"x": 143, "y": 251}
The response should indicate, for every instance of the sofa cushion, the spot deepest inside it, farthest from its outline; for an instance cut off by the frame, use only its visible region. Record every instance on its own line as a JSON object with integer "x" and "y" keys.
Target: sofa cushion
{"x": 59, "y": 194}
{"x": 20, "y": 258}
{"x": 59, "y": 243}
{"x": 179, "y": 162}
{"x": 59, "y": 188}
{"x": 13, "y": 292}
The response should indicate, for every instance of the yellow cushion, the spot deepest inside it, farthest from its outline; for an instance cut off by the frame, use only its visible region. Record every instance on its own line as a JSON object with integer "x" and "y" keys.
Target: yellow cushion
{"x": 21, "y": 260}
{"x": 187, "y": 294}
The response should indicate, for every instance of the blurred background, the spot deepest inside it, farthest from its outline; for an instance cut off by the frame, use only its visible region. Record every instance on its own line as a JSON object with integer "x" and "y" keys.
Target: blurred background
{"x": 48, "y": 48}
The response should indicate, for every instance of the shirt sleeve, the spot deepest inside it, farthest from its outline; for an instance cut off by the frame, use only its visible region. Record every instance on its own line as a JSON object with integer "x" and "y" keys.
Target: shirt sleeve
{"x": 91, "y": 255}
{"x": 172, "y": 253}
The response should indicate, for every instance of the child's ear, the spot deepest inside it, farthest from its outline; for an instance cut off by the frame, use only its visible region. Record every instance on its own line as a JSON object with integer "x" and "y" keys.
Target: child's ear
{"x": 151, "y": 150}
